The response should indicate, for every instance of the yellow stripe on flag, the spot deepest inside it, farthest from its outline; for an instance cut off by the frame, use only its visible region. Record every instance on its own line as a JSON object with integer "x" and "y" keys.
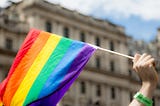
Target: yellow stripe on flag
{"x": 21, "y": 93}
{"x": 1, "y": 104}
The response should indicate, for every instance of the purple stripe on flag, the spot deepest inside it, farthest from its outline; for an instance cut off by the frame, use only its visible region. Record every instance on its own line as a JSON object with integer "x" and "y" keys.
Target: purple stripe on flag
{"x": 70, "y": 77}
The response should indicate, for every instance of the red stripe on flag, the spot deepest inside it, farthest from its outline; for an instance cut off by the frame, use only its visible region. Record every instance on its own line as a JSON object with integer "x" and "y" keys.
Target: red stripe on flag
{"x": 30, "y": 39}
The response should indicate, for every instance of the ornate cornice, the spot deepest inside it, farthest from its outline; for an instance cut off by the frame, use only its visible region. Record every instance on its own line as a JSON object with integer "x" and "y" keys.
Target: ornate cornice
{"x": 74, "y": 15}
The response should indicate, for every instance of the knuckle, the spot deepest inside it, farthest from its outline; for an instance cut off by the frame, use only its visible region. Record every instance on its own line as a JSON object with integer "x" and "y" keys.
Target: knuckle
{"x": 153, "y": 59}
{"x": 140, "y": 66}
{"x": 145, "y": 54}
{"x": 149, "y": 56}
{"x": 134, "y": 67}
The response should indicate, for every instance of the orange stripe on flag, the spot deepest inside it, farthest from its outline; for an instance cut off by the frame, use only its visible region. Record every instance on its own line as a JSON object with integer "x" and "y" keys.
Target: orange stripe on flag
{"x": 21, "y": 70}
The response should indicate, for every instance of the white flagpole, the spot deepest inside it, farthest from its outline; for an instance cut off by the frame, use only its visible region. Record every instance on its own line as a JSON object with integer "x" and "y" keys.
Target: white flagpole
{"x": 113, "y": 52}
{"x": 110, "y": 51}
{"x": 120, "y": 54}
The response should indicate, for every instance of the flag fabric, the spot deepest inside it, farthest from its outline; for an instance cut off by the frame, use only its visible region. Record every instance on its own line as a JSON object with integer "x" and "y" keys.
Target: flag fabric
{"x": 43, "y": 70}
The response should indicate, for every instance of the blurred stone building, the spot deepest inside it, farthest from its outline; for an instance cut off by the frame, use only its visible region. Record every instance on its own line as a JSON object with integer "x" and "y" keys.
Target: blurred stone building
{"x": 107, "y": 80}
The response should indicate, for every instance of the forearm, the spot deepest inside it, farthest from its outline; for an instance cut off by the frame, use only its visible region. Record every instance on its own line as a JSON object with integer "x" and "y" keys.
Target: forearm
{"x": 144, "y": 66}
{"x": 147, "y": 91}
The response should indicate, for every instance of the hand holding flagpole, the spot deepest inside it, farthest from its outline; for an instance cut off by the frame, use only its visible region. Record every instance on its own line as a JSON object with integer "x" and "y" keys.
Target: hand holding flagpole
{"x": 157, "y": 60}
{"x": 124, "y": 55}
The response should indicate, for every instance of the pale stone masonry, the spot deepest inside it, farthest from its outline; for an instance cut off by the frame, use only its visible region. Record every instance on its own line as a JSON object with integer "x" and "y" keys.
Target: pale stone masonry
{"x": 105, "y": 81}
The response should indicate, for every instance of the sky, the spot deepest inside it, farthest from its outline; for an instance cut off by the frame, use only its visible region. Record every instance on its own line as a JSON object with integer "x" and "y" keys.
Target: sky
{"x": 140, "y": 18}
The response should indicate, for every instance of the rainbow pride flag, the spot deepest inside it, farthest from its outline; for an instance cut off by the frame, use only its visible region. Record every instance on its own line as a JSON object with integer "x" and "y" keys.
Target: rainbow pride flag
{"x": 45, "y": 67}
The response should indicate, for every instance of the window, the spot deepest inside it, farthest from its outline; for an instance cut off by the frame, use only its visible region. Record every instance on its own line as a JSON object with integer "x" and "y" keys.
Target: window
{"x": 113, "y": 95}
{"x": 82, "y": 36}
{"x": 130, "y": 72}
{"x": 48, "y": 26}
{"x": 97, "y": 41}
{"x": 98, "y": 92}
{"x": 130, "y": 61}
{"x": 66, "y": 32}
{"x": 98, "y": 62}
{"x": 131, "y": 97}
{"x": 83, "y": 87}
{"x": 97, "y": 103}
{"x": 153, "y": 99}
{"x": 111, "y": 45}
{"x": 14, "y": 16}
{"x": 9, "y": 43}
{"x": 112, "y": 66}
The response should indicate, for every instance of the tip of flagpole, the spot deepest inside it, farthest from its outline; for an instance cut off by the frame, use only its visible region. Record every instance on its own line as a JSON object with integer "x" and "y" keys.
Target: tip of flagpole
{"x": 96, "y": 47}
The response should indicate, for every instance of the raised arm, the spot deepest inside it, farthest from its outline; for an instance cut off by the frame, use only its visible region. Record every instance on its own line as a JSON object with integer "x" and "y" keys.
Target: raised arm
{"x": 144, "y": 65}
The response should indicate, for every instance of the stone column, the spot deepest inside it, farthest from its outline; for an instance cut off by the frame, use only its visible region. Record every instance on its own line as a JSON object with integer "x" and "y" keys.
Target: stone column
{"x": 108, "y": 97}
{"x": 90, "y": 39}
{"x": 124, "y": 97}
{"x": 3, "y": 72}
{"x": 60, "y": 29}
{"x": 77, "y": 96}
{"x": 73, "y": 33}
{"x": 92, "y": 90}
{"x": 123, "y": 61}
{"x": 104, "y": 97}
{"x": 1, "y": 38}
{"x": 1, "y": 75}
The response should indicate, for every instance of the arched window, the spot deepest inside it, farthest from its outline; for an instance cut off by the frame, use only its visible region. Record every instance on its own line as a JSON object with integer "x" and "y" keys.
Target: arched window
{"x": 66, "y": 32}
{"x": 113, "y": 93}
{"x": 112, "y": 66}
{"x": 82, "y": 37}
{"x": 98, "y": 91}
{"x": 111, "y": 45}
{"x": 83, "y": 87}
{"x": 98, "y": 62}
{"x": 9, "y": 43}
{"x": 48, "y": 26}
{"x": 97, "y": 41}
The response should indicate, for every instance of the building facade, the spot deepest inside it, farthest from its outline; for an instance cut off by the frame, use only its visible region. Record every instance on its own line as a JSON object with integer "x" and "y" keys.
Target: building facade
{"x": 105, "y": 81}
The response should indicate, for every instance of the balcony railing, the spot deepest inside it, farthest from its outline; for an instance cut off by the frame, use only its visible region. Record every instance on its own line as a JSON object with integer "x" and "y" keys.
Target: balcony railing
{"x": 7, "y": 52}
{"x": 14, "y": 26}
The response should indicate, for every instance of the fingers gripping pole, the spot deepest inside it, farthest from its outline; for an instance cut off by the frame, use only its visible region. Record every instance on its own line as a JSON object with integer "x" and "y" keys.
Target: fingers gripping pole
{"x": 120, "y": 54}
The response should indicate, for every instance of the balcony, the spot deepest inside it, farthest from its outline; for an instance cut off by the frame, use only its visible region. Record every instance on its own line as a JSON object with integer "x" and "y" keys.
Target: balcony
{"x": 7, "y": 52}
{"x": 13, "y": 25}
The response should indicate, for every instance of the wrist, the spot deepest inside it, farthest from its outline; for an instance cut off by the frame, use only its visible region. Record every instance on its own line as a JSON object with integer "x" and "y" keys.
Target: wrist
{"x": 149, "y": 86}
{"x": 147, "y": 90}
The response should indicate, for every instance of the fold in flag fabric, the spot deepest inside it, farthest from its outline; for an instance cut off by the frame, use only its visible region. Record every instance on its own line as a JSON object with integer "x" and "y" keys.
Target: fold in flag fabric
{"x": 43, "y": 70}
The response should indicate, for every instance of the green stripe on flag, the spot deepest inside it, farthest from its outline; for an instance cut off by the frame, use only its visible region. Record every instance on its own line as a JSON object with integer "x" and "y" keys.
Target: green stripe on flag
{"x": 50, "y": 65}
